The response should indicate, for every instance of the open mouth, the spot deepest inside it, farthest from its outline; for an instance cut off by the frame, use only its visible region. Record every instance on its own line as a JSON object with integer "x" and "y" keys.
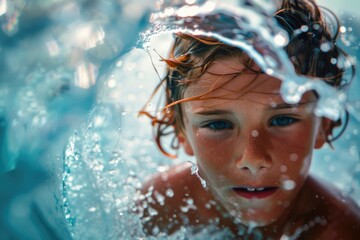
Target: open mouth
{"x": 255, "y": 192}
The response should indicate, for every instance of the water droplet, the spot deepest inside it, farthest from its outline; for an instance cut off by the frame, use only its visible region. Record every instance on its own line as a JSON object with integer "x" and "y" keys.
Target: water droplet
{"x": 333, "y": 61}
{"x": 184, "y": 209}
{"x": 119, "y": 63}
{"x": 316, "y": 26}
{"x": 283, "y": 169}
{"x": 289, "y": 184}
{"x": 281, "y": 39}
{"x": 190, "y": 201}
{"x": 195, "y": 171}
{"x": 111, "y": 83}
{"x": 190, "y": 1}
{"x": 294, "y": 157}
{"x": 325, "y": 47}
{"x": 92, "y": 209}
{"x": 169, "y": 192}
{"x": 304, "y": 28}
{"x": 342, "y": 29}
{"x": 160, "y": 198}
{"x": 254, "y": 133}
{"x": 155, "y": 230}
{"x": 152, "y": 211}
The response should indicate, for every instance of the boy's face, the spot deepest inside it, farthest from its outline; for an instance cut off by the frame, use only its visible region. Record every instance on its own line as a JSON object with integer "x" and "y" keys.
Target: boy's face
{"x": 253, "y": 149}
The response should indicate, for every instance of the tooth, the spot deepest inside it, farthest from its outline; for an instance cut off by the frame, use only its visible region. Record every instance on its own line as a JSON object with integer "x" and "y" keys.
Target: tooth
{"x": 260, "y": 189}
{"x": 250, "y": 189}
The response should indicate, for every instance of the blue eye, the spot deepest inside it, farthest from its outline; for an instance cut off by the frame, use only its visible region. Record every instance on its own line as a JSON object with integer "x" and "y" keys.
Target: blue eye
{"x": 282, "y": 121}
{"x": 218, "y": 125}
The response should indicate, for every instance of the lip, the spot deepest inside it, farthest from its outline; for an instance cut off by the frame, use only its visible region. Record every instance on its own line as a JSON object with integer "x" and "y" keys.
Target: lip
{"x": 255, "y": 192}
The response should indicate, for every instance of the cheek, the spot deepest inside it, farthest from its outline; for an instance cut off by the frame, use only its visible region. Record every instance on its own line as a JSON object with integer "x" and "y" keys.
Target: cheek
{"x": 299, "y": 140}
{"x": 211, "y": 152}
{"x": 294, "y": 152}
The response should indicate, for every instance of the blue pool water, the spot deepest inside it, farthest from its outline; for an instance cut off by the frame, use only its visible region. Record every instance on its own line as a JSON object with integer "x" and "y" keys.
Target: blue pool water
{"x": 73, "y": 150}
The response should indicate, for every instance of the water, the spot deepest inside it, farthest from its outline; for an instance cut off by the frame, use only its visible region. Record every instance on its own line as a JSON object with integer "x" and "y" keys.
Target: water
{"x": 195, "y": 171}
{"x": 74, "y": 153}
{"x": 246, "y": 28}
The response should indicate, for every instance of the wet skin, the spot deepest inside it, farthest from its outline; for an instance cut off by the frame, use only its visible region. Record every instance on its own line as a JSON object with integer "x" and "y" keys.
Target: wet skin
{"x": 254, "y": 151}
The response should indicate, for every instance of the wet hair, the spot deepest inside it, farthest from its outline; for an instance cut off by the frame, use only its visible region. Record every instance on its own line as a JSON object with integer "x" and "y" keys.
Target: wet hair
{"x": 309, "y": 29}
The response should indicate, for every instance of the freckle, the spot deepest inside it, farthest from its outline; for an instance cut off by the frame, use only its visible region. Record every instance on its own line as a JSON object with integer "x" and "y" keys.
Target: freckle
{"x": 254, "y": 133}
{"x": 294, "y": 157}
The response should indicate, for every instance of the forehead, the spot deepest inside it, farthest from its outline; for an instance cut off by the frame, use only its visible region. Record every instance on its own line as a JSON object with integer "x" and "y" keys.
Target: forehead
{"x": 228, "y": 79}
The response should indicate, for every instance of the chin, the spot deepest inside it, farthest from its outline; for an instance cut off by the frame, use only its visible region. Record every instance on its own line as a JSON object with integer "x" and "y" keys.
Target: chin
{"x": 256, "y": 217}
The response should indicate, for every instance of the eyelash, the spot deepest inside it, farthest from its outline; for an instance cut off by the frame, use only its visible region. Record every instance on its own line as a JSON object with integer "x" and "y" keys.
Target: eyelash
{"x": 225, "y": 125}
{"x": 221, "y": 125}
{"x": 289, "y": 121}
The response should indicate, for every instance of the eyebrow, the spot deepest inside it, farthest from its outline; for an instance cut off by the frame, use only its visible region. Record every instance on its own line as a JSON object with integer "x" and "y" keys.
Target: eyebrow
{"x": 277, "y": 106}
{"x": 213, "y": 112}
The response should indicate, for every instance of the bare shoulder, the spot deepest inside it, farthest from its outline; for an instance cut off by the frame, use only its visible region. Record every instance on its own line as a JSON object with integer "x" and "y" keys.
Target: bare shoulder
{"x": 172, "y": 199}
{"x": 340, "y": 213}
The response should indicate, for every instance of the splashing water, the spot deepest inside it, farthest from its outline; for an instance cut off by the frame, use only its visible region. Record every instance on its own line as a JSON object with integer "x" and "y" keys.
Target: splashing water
{"x": 250, "y": 27}
{"x": 94, "y": 179}
{"x": 130, "y": 160}
{"x": 195, "y": 171}
{"x": 53, "y": 54}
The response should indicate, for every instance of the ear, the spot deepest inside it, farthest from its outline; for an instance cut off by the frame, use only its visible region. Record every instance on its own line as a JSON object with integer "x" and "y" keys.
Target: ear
{"x": 323, "y": 132}
{"x": 186, "y": 144}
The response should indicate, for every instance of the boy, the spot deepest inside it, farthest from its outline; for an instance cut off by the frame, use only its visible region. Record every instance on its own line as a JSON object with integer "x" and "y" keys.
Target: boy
{"x": 252, "y": 148}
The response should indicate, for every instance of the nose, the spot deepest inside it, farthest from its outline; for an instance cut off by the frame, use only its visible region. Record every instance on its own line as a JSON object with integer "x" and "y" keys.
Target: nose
{"x": 253, "y": 153}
